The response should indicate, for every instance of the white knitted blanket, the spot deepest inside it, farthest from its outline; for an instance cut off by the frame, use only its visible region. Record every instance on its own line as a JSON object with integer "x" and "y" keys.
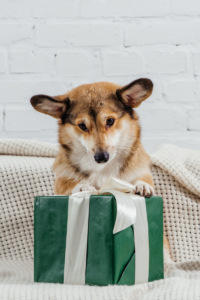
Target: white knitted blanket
{"x": 25, "y": 171}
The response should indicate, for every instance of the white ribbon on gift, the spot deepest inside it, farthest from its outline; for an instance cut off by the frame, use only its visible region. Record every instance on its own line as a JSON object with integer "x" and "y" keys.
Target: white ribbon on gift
{"x": 131, "y": 209}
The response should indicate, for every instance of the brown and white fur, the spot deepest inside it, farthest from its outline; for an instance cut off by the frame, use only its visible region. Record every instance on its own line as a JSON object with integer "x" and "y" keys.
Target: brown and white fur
{"x": 99, "y": 136}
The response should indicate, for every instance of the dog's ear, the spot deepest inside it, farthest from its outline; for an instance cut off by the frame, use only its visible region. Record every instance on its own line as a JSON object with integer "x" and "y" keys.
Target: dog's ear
{"x": 135, "y": 92}
{"x": 50, "y": 105}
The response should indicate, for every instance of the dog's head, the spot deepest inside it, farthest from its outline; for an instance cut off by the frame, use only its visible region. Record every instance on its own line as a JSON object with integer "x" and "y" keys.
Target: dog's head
{"x": 97, "y": 119}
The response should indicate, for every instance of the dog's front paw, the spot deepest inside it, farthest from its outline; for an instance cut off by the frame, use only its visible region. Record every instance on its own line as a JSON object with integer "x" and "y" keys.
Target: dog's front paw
{"x": 81, "y": 187}
{"x": 143, "y": 189}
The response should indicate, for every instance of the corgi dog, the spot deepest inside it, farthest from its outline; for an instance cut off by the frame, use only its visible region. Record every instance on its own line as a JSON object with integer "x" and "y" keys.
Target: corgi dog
{"x": 99, "y": 136}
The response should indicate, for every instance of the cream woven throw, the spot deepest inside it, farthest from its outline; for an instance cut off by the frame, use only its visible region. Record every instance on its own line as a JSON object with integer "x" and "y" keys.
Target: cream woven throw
{"x": 25, "y": 171}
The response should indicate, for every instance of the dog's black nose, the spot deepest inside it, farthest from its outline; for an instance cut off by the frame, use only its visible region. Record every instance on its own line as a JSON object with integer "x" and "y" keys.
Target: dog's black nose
{"x": 101, "y": 157}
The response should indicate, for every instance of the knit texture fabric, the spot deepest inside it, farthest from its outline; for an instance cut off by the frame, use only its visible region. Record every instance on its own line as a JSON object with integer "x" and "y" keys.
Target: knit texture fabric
{"x": 25, "y": 172}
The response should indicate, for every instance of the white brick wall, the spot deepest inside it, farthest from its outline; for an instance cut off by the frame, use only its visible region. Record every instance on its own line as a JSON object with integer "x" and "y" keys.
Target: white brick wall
{"x": 51, "y": 46}
{"x": 194, "y": 119}
{"x": 166, "y": 63}
{"x": 2, "y": 62}
{"x": 65, "y": 64}
{"x": 170, "y": 32}
{"x": 1, "y": 118}
{"x": 122, "y": 64}
{"x": 181, "y": 91}
{"x": 30, "y": 62}
{"x": 20, "y": 118}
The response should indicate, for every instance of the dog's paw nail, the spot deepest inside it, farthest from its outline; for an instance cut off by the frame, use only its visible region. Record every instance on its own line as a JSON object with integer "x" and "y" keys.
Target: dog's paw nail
{"x": 133, "y": 191}
{"x": 143, "y": 189}
{"x": 83, "y": 188}
{"x": 87, "y": 188}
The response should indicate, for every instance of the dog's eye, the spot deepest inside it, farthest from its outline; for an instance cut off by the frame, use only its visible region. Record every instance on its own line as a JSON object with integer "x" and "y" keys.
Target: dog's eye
{"x": 82, "y": 126}
{"x": 110, "y": 122}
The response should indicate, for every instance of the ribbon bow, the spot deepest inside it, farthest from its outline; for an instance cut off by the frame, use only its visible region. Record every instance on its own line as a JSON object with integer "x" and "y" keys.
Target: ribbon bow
{"x": 131, "y": 209}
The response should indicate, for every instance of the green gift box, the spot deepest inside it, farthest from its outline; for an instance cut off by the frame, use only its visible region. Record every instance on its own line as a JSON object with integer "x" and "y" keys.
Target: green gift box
{"x": 110, "y": 258}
